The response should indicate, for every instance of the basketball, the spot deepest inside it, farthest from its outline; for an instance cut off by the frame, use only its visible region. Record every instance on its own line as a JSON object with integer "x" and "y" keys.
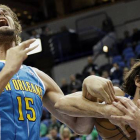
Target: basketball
{"x": 109, "y": 131}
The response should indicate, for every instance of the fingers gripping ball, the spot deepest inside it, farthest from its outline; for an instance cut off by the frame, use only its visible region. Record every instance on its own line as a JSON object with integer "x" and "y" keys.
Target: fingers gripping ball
{"x": 109, "y": 131}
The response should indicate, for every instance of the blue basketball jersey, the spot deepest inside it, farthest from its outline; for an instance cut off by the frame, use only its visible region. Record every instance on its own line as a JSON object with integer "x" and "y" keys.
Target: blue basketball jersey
{"x": 21, "y": 106}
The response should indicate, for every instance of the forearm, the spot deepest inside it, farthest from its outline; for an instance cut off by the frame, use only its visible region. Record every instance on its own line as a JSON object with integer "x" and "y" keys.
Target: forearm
{"x": 78, "y": 106}
{"x": 5, "y": 76}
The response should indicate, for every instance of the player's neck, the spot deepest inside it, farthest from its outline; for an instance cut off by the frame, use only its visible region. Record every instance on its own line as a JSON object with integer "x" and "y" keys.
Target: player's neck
{"x": 4, "y": 48}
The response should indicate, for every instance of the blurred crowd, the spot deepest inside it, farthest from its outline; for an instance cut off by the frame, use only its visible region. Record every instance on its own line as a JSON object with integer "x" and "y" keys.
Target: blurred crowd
{"x": 52, "y": 129}
{"x": 114, "y": 72}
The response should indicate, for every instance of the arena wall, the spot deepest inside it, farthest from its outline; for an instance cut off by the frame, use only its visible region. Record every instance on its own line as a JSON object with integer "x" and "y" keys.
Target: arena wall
{"x": 119, "y": 13}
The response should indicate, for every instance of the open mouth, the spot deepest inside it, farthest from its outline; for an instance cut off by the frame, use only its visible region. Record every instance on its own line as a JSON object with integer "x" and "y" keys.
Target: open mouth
{"x": 3, "y": 22}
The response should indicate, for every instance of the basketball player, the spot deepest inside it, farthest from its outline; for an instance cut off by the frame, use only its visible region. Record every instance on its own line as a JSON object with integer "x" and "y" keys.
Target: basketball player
{"x": 130, "y": 108}
{"x": 23, "y": 88}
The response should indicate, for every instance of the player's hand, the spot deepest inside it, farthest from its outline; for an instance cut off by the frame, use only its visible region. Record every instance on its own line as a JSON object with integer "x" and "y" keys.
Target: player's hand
{"x": 132, "y": 112}
{"x": 16, "y": 55}
{"x": 121, "y": 125}
{"x": 110, "y": 109}
{"x": 100, "y": 88}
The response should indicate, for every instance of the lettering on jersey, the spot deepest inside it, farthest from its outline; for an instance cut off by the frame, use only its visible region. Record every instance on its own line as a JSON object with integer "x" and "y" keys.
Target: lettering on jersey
{"x": 24, "y": 86}
{"x": 8, "y": 87}
{"x": 33, "y": 88}
{"x": 15, "y": 84}
{"x": 28, "y": 85}
{"x": 21, "y": 85}
{"x": 39, "y": 90}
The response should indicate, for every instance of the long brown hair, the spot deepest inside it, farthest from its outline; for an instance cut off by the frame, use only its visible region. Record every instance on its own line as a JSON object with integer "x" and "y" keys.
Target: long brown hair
{"x": 129, "y": 80}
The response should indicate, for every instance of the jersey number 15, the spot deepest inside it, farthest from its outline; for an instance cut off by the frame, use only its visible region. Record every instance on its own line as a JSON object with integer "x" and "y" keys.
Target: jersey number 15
{"x": 28, "y": 108}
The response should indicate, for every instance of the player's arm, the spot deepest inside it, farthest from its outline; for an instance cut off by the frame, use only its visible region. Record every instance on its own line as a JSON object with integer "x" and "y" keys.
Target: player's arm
{"x": 77, "y": 105}
{"x": 14, "y": 59}
{"x": 86, "y": 101}
{"x": 52, "y": 95}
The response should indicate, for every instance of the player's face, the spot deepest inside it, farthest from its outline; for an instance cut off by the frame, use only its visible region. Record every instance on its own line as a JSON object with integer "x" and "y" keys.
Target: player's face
{"x": 7, "y": 27}
{"x": 6, "y": 21}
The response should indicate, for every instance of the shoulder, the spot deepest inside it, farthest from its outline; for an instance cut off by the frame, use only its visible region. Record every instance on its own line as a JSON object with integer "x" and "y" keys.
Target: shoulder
{"x": 118, "y": 91}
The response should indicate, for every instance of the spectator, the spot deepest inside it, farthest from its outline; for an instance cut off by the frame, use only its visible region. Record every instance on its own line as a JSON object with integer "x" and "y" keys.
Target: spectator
{"x": 125, "y": 70}
{"x": 105, "y": 74}
{"x": 113, "y": 68}
{"x": 53, "y": 134}
{"x": 64, "y": 86}
{"x": 116, "y": 72}
{"x": 75, "y": 85}
{"x": 89, "y": 67}
{"x": 66, "y": 134}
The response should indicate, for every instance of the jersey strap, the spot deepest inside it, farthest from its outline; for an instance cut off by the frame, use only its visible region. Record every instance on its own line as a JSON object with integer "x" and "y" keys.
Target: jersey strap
{"x": 38, "y": 77}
